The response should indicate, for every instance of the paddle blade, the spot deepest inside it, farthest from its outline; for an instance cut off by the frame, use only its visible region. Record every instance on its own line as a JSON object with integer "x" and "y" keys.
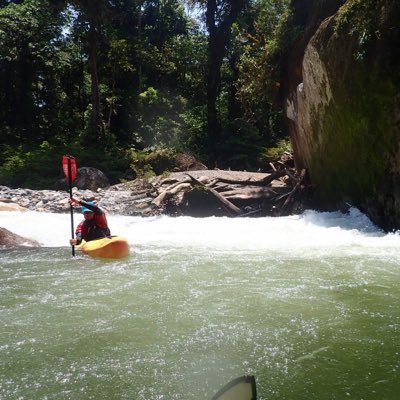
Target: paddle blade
{"x": 69, "y": 168}
{"x": 243, "y": 388}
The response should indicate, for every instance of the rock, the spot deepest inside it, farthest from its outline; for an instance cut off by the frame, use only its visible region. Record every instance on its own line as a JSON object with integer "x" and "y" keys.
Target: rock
{"x": 187, "y": 162}
{"x": 8, "y": 206}
{"x": 344, "y": 106}
{"x": 9, "y": 239}
{"x": 91, "y": 178}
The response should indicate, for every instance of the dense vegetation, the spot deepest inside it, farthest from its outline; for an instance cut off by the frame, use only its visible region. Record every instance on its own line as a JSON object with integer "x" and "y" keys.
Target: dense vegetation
{"x": 115, "y": 81}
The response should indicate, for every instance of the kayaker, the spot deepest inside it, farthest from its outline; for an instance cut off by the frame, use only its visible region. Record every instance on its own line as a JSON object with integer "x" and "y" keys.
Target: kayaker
{"x": 94, "y": 226}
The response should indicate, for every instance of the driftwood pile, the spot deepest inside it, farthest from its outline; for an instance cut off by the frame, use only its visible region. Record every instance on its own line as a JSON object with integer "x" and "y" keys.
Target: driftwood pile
{"x": 233, "y": 193}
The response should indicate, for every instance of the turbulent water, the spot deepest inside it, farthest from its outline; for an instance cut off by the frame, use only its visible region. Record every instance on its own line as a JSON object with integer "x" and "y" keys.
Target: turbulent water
{"x": 307, "y": 304}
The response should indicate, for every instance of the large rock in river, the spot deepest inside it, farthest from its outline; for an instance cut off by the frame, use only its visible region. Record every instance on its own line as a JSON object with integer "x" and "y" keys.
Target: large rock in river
{"x": 91, "y": 178}
{"x": 9, "y": 239}
{"x": 9, "y": 206}
{"x": 344, "y": 110}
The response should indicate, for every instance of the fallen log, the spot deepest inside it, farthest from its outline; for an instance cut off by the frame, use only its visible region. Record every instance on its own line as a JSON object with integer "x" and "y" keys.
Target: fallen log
{"x": 292, "y": 177}
{"x": 234, "y": 193}
{"x": 291, "y": 194}
{"x": 225, "y": 203}
{"x": 175, "y": 184}
{"x": 174, "y": 188}
{"x": 274, "y": 175}
{"x": 221, "y": 188}
{"x": 250, "y": 181}
{"x": 249, "y": 194}
{"x": 166, "y": 194}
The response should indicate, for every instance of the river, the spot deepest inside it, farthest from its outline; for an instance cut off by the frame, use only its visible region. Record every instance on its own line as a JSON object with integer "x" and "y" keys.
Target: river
{"x": 307, "y": 304}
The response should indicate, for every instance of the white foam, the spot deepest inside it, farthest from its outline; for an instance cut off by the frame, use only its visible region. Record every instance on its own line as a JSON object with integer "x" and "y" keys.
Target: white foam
{"x": 309, "y": 232}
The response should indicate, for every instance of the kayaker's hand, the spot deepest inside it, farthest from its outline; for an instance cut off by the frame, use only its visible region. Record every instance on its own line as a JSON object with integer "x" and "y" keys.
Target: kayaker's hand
{"x": 72, "y": 242}
{"x": 74, "y": 201}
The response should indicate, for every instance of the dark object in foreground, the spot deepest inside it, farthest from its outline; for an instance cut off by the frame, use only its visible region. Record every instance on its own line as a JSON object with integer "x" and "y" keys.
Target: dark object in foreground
{"x": 242, "y": 388}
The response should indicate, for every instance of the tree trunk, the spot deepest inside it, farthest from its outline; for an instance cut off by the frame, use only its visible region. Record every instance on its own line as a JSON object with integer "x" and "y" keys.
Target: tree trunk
{"x": 215, "y": 55}
{"x": 96, "y": 130}
{"x": 219, "y": 36}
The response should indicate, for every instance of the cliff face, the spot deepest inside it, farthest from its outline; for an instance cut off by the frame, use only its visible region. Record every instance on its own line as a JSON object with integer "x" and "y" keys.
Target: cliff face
{"x": 344, "y": 110}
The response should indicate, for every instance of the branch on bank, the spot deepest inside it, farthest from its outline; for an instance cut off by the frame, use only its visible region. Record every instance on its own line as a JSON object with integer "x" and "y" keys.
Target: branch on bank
{"x": 223, "y": 200}
{"x": 232, "y": 193}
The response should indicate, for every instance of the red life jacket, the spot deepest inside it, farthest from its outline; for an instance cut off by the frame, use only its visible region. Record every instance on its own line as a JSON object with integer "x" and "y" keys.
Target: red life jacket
{"x": 94, "y": 228}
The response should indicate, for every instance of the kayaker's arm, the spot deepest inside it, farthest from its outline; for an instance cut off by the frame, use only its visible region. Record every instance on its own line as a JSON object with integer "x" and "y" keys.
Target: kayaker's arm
{"x": 78, "y": 233}
{"x": 92, "y": 207}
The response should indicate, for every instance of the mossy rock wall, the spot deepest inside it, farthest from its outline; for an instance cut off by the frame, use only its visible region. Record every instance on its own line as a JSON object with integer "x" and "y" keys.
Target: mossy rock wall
{"x": 348, "y": 109}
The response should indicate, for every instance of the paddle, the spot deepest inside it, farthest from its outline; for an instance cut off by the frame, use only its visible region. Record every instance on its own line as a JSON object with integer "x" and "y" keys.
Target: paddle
{"x": 69, "y": 168}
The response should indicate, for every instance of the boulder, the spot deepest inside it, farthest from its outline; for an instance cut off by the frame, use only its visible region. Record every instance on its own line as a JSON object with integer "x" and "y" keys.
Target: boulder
{"x": 9, "y": 239}
{"x": 344, "y": 109}
{"x": 91, "y": 178}
{"x": 187, "y": 162}
{"x": 9, "y": 206}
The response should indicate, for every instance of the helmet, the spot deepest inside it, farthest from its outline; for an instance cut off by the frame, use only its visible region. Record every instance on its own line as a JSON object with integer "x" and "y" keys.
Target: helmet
{"x": 85, "y": 209}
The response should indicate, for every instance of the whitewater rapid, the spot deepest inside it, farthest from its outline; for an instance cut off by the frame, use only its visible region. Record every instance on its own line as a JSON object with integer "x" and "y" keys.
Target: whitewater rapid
{"x": 312, "y": 231}
{"x": 308, "y": 304}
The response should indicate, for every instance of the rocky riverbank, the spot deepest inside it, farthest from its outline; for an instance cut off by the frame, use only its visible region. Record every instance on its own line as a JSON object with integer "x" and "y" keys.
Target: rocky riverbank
{"x": 114, "y": 200}
{"x": 199, "y": 193}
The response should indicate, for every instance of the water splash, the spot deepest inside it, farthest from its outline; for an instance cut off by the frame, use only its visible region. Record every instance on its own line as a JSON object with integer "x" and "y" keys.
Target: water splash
{"x": 301, "y": 234}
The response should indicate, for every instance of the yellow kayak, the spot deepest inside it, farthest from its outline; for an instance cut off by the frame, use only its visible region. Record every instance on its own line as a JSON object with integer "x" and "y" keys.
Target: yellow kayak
{"x": 113, "y": 247}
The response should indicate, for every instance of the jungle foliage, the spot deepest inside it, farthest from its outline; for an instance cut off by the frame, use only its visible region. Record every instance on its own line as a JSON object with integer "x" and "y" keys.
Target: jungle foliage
{"x": 103, "y": 80}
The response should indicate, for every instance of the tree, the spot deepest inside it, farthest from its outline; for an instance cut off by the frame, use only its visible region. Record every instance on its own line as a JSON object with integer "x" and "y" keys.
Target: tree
{"x": 126, "y": 44}
{"x": 259, "y": 79}
{"x": 91, "y": 16}
{"x": 29, "y": 39}
{"x": 220, "y": 16}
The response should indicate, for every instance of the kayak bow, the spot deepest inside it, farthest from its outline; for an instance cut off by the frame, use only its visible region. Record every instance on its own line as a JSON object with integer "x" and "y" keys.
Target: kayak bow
{"x": 109, "y": 247}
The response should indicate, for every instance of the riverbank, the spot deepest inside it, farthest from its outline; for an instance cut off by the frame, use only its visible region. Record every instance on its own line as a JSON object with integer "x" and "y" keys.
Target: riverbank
{"x": 207, "y": 189}
{"x": 114, "y": 200}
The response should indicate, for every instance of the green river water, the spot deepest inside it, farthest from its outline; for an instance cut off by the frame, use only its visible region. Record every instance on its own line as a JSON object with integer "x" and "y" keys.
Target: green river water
{"x": 309, "y": 305}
